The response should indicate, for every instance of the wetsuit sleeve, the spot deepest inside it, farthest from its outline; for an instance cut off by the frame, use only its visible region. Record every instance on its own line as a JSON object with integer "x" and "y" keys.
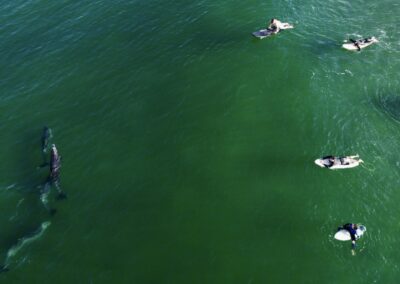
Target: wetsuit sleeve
{"x": 353, "y": 234}
{"x": 351, "y": 231}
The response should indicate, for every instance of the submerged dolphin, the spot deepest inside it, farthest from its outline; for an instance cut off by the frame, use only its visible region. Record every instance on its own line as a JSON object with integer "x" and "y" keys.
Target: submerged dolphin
{"x": 46, "y": 136}
{"x": 55, "y": 162}
{"x": 52, "y": 179}
{"x": 44, "y": 197}
{"x": 45, "y": 140}
{"x": 55, "y": 165}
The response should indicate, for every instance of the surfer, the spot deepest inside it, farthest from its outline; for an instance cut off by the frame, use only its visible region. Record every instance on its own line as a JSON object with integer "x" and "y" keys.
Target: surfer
{"x": 330, "y": 161}
{"x": 352, "y": 229}
{"x": 361, "y": 41}
{"x": 274, "y": 26}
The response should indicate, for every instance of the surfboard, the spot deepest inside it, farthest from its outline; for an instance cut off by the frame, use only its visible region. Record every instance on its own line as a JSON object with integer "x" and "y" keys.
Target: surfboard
{"x": 263, "y": 33}
{"x": 352, "y": 47}
{"x": 344, "y": 235}
{"x": 268, "y": 32}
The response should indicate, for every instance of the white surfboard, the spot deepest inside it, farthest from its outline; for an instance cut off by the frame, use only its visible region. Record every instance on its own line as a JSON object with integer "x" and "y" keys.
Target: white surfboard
{"x": 268, "y": 32}
{"x": 340, "y": 163}
{"x": 362, "y": 44}
{"x": 344, "y": 235}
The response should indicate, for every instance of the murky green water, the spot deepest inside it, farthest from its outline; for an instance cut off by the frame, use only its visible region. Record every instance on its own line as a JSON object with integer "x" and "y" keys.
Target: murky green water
{"x": 188, "y": 146}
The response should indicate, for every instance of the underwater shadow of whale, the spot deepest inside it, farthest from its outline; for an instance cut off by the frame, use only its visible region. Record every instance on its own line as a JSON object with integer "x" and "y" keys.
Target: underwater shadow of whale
{"x": 24, "y": 165}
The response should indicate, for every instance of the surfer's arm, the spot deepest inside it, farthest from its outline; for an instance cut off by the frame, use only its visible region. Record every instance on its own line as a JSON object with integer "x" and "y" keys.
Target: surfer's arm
{"x": 353, "y": 235}
{"x": 274, "y": 28}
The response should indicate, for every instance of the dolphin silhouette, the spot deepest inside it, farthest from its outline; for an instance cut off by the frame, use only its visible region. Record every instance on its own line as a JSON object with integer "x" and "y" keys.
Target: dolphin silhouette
{"x": 55, "y": 162}
{"x": 55, "y": 165}
{"x": 45, "y": 139}
{"x": 46, "y": 136}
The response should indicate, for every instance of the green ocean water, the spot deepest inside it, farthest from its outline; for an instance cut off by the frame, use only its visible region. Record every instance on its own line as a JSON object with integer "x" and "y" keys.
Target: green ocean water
{"x": 188, "y": 146}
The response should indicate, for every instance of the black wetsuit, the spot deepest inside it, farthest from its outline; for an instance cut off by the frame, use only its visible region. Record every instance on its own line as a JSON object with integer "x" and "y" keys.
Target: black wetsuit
{"x": 360, "y": 41}
{"x": 356, "y": 43}
{"x": 329, "y": 158}
{"x": 348, "y": 227}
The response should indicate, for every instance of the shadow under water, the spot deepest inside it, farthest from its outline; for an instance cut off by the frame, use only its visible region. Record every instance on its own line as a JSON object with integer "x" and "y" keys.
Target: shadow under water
{"x": 27, "y": 238}
{"x": 389, "y": 105}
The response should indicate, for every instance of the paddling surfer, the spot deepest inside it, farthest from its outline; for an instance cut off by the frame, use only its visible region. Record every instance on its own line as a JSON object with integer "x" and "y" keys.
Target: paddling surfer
{"x": 359, "y": 42}
{"x": 352, "y": 229}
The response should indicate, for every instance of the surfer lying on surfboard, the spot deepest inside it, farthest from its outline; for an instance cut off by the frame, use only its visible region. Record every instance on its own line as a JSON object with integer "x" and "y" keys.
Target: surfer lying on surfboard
{"x": 334, "y": 163}
{"x": 275, "y": 26}
{"x": 360, "y": 41}
{"x": 358, "y": 44}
